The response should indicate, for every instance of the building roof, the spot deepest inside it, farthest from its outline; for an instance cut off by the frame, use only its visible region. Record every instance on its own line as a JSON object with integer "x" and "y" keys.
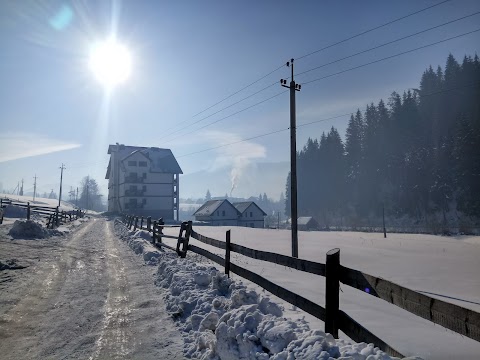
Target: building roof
{"x": 242, "y": 206}
{"x": 210, "y": 207}
{"x": 161, "y": 160}
{"x": 305, "y": 220}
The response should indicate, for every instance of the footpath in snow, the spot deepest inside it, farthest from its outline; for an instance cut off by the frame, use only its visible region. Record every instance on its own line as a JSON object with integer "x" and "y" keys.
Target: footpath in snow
{"x": 223, "y": 319}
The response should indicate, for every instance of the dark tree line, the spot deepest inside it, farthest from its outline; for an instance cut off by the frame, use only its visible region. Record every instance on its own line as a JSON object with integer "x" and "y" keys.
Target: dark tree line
{"x": 418, "y": 155}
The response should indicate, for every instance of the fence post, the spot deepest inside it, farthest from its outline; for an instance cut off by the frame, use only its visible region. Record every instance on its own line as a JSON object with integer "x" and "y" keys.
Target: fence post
{"x": 227, "y": 253}
{"x": 183, "y": 239}
{"x": 56, "y": 216}
{"x": 136, "y": 223}
{"x": 141, "y": 224}
{"x": 149, "y": 223}
{"x": 384, "y": 228}
{"x": 28, "y": 210}
{"x": 332, "y": 274}
{"x": 160, "y": 229}
{"x": 154, "y": 232}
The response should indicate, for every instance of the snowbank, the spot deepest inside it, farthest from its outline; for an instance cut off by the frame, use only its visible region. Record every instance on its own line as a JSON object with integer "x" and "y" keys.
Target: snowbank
{"x": 139, "y": 242}
{"x": 222, "y": 319}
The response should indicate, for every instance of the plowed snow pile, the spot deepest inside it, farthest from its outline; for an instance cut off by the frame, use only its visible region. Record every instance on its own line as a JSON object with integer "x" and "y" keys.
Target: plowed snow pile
{"x": 222, "y": 319}
{"x": 27, "y": 229}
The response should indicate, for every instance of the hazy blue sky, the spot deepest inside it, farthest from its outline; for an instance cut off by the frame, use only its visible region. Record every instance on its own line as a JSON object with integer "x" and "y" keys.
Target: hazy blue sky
{"x": 187, "y": 55}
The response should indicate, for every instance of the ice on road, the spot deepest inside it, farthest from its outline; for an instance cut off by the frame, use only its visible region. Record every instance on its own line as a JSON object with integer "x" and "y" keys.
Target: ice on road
{"x": 84, "y": 296}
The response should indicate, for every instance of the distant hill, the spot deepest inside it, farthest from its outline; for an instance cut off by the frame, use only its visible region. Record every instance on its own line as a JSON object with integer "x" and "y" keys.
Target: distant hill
{"x": 255, "y": 179}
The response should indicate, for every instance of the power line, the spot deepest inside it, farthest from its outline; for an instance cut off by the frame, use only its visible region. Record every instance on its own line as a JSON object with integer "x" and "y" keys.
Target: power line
{"x": 331, "y": 75}
{"x": 226, "y": 117}
{"x": 236, "y": 142}
{"x": 392, "y": 56}
{"x": 314, "y": 122}
{"x": 387, "y": 43}
{"x": 229, "y": 106}
{"x": 372, "y": 29}
{"x": 235, "y": 93}
{"x": 314, "y": 52}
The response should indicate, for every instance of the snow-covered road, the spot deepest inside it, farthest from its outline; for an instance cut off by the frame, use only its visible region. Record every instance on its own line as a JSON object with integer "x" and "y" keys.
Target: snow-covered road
{"x": 83, "y": 296}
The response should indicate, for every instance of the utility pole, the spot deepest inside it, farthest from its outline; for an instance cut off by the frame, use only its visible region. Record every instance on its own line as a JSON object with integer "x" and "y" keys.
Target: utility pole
{"x": 18, "y": 187}
{"x": 21, "y": 189}
{"x": 35, "y": 187}
{"x": 76, "y": 198}
{"x": 293, "y": 159}
{"x": 61, "y": 179}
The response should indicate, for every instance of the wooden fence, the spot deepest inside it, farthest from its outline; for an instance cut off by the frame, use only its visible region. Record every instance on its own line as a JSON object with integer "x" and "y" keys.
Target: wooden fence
{"x": 55, "y": 216}
{"x": 460, "y": 320}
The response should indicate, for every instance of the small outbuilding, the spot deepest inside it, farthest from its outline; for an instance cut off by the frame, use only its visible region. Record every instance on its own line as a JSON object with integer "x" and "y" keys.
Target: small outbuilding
{"x": 307, "y": 223}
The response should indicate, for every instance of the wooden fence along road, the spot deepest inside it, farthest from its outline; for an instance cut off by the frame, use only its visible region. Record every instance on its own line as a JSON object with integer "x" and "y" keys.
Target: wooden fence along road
{"x": 460, "y": 320}
{"x": 54, "y": 215}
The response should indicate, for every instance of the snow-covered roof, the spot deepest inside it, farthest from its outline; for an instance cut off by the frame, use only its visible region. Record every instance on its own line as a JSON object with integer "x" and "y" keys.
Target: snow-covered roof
{"x": 305, "y": 220}
{"x": 161, "y": 160}
{"x": 210, "y": 207}
{"x": 242, "y": 206}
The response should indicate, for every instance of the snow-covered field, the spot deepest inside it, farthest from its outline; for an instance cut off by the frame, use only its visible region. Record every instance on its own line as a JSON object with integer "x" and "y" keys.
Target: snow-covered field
{"x": 443, "y": 267}
{"x": 65, "y": 205}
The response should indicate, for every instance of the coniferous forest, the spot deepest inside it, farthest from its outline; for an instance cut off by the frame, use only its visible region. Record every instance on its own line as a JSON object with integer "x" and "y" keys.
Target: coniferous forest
{"x": 416, "y": 154}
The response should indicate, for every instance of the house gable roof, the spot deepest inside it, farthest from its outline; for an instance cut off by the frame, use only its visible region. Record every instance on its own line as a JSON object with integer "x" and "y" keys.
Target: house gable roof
{"x": 133, "y": 153}
{"x": 305, "y": 220}
{"x": 209, "y": 208}
{"x": 243, "y": 206}
{"x": 161, "y": 160}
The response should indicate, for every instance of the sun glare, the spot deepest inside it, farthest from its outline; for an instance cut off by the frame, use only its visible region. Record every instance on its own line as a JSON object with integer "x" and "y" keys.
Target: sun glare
{"x": 110, "y": 62}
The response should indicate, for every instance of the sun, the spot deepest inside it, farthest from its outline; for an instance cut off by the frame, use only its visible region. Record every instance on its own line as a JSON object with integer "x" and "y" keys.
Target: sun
{"x": 110, "y": 62}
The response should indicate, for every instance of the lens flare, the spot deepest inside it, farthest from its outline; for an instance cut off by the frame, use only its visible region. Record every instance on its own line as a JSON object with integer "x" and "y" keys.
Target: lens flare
{"x": 110, "y": 62}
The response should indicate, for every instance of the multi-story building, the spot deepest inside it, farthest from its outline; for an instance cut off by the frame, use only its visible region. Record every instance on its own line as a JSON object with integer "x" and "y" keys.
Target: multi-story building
{"x": 143, "y": 181}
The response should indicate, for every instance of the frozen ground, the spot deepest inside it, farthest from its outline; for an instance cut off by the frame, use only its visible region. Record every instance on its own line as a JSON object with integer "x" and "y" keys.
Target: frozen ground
{"x": 443, "y": 267}
{"x": 80, "y": 295}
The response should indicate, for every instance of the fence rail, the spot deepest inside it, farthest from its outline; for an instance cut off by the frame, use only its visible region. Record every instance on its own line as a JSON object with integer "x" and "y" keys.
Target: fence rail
{"x": 55, "y": 215}
{"x": 463, "y": 321}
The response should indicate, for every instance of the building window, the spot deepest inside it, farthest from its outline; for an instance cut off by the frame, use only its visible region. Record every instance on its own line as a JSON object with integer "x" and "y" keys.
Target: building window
{"x": 144, "y": 188}
{"x": 142, "y": 163}
{"x": 132, "y": 163}
{"x": 251, "y": 214}
{"x": 144, "y": 175}
{"x": 133, "y": 188}
{"x": 223, "y": 213}
{"x": 144, "y": 201}
{"x": 252, "y": 225}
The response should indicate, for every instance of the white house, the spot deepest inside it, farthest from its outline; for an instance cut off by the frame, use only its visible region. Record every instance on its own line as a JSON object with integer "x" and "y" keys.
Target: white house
{"x": 250, "y": 214}
{"x": 224, "y": 213}
{"x": 217, "y": 213}
{"x": 143, "y": 181}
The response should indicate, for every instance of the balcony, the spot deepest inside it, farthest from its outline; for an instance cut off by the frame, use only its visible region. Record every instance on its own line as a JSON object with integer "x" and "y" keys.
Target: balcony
{"x": 133, "y": 180}
{"x": 133, "y": 206}
{"x": 134, "y": 192}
